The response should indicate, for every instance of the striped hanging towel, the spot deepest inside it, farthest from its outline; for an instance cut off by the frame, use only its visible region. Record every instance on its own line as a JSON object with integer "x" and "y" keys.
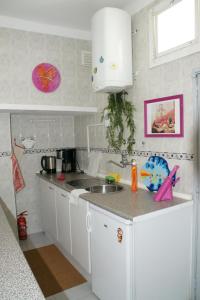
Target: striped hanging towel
{"x": 18, "y": 180}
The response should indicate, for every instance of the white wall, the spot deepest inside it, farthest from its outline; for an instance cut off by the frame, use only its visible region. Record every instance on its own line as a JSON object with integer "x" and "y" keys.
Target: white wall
{"x": 21, "y": 51}
{"x": 6, "y": 183}
{"x": 165, "y": 80}
{"x": 50, "y": 132}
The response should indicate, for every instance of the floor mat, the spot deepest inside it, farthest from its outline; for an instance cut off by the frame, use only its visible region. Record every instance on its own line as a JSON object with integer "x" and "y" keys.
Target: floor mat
{"x": 53, "y": 272}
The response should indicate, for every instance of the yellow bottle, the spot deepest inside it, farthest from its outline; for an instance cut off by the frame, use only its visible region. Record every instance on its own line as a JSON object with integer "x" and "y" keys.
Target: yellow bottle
{"x": 134, "y": 184}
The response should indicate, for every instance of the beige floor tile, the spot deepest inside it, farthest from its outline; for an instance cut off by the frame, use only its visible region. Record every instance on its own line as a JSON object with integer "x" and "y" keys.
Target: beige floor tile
{"x": 35, "y": 240}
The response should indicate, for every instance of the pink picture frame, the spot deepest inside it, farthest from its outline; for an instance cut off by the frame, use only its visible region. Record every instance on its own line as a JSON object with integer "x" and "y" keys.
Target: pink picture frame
{"x": 163, "y": 117}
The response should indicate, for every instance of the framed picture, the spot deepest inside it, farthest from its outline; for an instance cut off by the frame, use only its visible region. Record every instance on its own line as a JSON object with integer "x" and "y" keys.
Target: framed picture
{"x": 163, "y": 117}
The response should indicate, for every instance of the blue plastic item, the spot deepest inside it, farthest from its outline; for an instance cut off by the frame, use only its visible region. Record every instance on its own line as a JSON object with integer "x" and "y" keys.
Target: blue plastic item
{"x": 154, "y": 172}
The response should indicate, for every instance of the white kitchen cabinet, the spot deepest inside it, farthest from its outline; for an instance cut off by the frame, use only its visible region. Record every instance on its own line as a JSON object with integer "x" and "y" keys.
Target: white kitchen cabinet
{"x": 80, "y": 235}
{"x": 43, "y": 205}
{"x": 48, "y": 209}
{"x": 111, "y": 255}
{"x": 63, "y": 220}
{"x": 151, "y": 262}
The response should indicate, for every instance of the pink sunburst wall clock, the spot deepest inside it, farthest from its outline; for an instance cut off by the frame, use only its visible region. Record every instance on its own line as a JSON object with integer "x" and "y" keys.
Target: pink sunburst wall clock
{"x": 46, "y": 77}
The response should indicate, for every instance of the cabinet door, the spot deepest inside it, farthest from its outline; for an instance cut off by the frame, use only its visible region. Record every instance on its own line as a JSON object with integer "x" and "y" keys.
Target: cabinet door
{"x": 162, "y": 254}
{"x": 79, "y": 232}
{"x": 48, "y": 209}
{"x": 63, "y": 220}
{"x": 43, "y": 205}
{"x": 110, "y": 257}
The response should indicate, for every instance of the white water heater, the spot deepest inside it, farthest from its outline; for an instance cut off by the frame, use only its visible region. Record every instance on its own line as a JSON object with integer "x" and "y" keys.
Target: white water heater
{"x": 111, "y": 50}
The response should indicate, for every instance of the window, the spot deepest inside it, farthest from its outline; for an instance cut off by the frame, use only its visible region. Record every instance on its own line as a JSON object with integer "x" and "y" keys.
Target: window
{"x": 174, "y": 30}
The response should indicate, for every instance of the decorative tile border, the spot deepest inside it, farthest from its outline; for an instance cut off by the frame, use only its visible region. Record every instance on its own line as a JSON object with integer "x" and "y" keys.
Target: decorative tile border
{"x": 138, "y": 153}
{"x": 42, "y": 150}
{"x": 167, "y": 155}
{"x": 5, "y": 154}
{"x": 30, "y": 151}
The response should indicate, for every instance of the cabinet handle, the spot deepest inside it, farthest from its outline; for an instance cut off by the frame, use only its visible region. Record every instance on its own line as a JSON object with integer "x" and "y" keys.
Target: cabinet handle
{"x": 51, "y": 188}
{"x": 64, "y": 196}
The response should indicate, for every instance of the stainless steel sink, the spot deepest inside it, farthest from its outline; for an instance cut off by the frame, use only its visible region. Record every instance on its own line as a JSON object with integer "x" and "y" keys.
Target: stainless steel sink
{"x": 104, "y": 188}
{"x": 86, "y": 182}
{"x": 95, "y": 185}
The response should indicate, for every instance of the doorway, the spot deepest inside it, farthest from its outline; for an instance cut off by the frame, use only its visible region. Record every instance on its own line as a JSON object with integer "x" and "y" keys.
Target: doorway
{"x": 196, "y": 192}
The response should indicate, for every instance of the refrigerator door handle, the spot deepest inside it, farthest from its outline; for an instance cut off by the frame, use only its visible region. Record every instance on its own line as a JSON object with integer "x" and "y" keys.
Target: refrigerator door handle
{"x": 88, "y": 222}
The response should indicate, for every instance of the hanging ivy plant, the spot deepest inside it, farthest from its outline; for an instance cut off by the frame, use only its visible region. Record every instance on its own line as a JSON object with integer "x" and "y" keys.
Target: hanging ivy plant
{"x": 121, "y": 129}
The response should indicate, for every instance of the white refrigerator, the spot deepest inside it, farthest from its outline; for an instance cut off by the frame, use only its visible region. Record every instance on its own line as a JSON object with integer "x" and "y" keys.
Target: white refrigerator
{"x": 111, "y": 248}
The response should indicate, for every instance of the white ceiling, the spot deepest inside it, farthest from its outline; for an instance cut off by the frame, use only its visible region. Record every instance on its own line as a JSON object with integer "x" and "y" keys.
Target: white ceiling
{"x": 74, "y": 14}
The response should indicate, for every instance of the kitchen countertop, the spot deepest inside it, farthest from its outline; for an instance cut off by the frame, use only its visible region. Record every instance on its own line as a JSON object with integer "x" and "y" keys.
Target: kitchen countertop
{"x": 126, "y": 204}
{"x": 17, "y": 280}
{"x": 52, "y": 178}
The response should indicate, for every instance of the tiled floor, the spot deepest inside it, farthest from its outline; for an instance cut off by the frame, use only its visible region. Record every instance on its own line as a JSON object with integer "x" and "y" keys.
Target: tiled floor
{"x": 35, "y": 240}
{"x": 81, "y": 292}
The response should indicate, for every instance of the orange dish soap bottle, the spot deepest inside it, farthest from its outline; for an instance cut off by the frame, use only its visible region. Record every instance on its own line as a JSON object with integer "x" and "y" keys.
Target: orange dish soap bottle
{"x": 134, "y": 183}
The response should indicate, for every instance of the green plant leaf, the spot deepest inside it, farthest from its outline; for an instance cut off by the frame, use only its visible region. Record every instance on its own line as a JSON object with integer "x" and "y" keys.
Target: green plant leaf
{"x": 120, "y": 113}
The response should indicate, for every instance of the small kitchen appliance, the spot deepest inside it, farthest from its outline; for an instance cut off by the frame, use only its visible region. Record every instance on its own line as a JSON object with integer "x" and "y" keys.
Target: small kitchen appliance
{"x": 59, "y": 157}
{"x": 59, "y": 153}
{"x": 68, "y": 157}
{"x": 48, "y": 164}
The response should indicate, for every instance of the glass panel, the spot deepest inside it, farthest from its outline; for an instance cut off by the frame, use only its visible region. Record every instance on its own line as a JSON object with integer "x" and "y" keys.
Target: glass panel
{"x": 176, "y": 25}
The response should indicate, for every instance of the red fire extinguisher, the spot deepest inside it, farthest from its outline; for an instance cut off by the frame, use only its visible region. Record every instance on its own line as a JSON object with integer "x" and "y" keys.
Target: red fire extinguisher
{"x": 21, "y": 224}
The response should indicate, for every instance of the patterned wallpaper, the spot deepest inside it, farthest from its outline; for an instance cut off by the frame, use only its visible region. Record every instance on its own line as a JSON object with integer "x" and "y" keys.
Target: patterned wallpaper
{"x": 21, "y": 51}
{"x": 50, "y": 133}
{"x": 165, "y": 80}
{"x": 149, "y": 83}
{"x": 6, "y": 181}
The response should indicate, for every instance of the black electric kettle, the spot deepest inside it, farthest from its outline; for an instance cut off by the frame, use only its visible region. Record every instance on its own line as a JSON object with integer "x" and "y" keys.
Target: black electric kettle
{"x": 48, "y": 164}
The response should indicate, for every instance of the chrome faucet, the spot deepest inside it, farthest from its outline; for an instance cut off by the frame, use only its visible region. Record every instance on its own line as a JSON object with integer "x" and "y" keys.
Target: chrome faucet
{"x": 124, "y": 162}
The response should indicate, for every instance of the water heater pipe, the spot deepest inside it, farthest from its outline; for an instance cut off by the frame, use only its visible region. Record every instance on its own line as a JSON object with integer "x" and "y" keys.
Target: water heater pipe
{"x": 88, "y": 134}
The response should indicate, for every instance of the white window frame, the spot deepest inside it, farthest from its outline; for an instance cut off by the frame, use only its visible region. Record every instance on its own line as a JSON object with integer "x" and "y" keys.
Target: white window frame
{"x": 185, "y": 49}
